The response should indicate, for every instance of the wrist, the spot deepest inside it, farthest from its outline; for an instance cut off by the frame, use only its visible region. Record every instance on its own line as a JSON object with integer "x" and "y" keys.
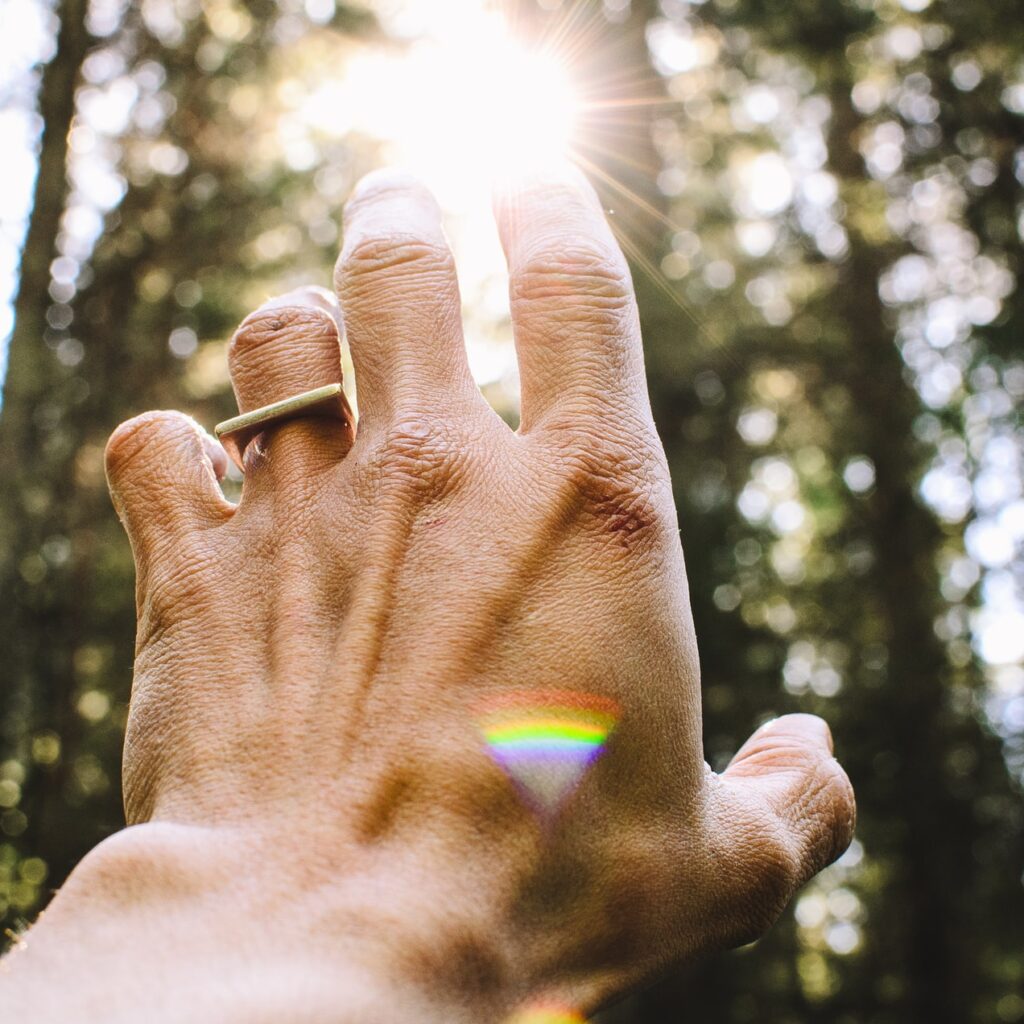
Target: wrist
{"x": 251, "y": 934}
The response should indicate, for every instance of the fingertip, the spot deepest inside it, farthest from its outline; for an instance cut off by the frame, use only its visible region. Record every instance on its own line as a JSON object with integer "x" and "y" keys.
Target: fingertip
{"x": 392, "y": 176}
{"x": 390, "y": 181}
{"x": 557, "y": 171}
{"x": 519, "y": 190}
{"x": 289, "y": 345}
{"x": 391, "y": 218}
{"x": 810, "y": 728}
{"x": 141, "y": 434}
{"x": 785, "y": 742}
{"x": 398, "y": 286}
{"x": 790, "y": 759}
{"x": 156, "y": 475}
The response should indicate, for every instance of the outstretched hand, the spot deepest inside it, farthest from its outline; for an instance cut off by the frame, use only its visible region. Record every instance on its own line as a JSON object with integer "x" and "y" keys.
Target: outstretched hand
{"x": 317, "y": 666}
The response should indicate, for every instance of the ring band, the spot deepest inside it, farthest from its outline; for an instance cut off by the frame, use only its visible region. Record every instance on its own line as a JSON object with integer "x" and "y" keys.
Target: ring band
{"x": 328, "y": 402}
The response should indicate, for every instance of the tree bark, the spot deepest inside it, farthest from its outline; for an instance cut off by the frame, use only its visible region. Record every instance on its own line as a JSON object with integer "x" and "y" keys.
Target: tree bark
{"x": 27, "y": 377}
{"x": 926, "y": 828}
{"x": 33, "y": 623}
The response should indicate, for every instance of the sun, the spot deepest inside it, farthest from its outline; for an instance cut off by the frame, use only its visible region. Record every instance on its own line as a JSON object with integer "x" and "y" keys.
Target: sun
{"x": 458, "y": 106}
{"x": 517, "y": 103}
{"x": 461, "y": 102}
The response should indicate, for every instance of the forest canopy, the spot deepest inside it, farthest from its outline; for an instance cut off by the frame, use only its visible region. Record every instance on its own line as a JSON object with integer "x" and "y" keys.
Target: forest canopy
{"x": 822, "y": 205}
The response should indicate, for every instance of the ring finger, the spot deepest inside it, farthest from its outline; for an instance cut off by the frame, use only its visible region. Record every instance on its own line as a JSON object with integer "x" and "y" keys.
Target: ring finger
{"x": 289, "y": 346}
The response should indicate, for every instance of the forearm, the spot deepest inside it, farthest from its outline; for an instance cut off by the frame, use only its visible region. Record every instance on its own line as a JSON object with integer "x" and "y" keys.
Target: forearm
{"x": 158, "y": 912}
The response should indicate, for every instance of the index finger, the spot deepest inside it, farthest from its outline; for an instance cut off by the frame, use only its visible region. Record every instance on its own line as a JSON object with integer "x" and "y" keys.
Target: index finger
{"x": 574, "y": 314}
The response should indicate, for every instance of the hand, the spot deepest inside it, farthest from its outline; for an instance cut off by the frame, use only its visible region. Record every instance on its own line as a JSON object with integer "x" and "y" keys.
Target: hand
{"x": 315, "y": 665}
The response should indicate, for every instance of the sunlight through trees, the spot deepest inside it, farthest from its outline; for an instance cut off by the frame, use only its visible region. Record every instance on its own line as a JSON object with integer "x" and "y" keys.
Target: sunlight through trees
{"x": 823, "y": 207}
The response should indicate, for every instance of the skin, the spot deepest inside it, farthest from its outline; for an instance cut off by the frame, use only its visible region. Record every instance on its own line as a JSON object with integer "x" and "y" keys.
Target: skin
{"x": 316, "y": 831}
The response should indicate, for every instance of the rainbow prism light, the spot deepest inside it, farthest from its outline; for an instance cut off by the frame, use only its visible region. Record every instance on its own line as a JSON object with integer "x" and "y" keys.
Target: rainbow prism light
{"x": 547, "y": 1013}
{"x": 545, "y": 740}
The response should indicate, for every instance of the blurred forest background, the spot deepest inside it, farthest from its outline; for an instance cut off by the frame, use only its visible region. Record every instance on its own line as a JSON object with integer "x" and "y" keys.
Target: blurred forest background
{"x": 823, "y": 202}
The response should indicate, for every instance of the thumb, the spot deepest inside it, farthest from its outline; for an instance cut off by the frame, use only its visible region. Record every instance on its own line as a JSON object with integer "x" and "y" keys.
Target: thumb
{"x": 788, "y": 765}
{"x": 162, "y": 471}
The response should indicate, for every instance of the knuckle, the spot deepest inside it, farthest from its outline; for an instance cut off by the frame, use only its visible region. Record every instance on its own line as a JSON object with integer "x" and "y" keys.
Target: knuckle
{"x": 407, "y": 256}
{"x": 588, "y": 273}
{"x": 152, "y": 744}
{"x": 622, "y": 510}
{"x": 822, "y": 807}
{"x": 616, "y": 486}
{"x": 771, "y": 885}
{"x": 777, "y": 874}
{"x": 424, "y": 454}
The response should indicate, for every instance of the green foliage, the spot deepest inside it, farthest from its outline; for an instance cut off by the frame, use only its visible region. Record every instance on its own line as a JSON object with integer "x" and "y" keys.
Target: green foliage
{"x": 807, "y": 380}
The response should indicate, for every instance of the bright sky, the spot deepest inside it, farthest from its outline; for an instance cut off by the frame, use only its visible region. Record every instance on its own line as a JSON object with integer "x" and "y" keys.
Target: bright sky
{"x": 462, "y": 103}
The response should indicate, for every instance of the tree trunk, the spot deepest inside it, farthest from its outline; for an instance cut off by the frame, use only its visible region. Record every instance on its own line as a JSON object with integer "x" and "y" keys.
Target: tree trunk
{"x": 35, "y": 470}
{"x": 926, "y": 829}
{"x": 27, "y": 378}
{"x": 29, "y": 365}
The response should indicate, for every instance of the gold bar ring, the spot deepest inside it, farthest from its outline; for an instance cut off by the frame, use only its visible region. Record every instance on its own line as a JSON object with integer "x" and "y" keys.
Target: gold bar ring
{"x": 327, "y": 402}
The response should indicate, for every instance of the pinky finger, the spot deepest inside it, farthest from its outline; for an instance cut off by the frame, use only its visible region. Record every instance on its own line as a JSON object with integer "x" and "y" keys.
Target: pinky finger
{"x": 162, "y": 470}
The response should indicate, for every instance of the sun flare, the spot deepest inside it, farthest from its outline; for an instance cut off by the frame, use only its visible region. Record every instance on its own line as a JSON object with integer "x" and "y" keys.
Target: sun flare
{"x": 458, "y": 106}
{"x": 460, "y": 102}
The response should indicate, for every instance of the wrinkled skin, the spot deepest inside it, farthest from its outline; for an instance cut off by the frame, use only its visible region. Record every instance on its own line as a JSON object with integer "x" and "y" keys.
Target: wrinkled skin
{"x": 309, "y": 660}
